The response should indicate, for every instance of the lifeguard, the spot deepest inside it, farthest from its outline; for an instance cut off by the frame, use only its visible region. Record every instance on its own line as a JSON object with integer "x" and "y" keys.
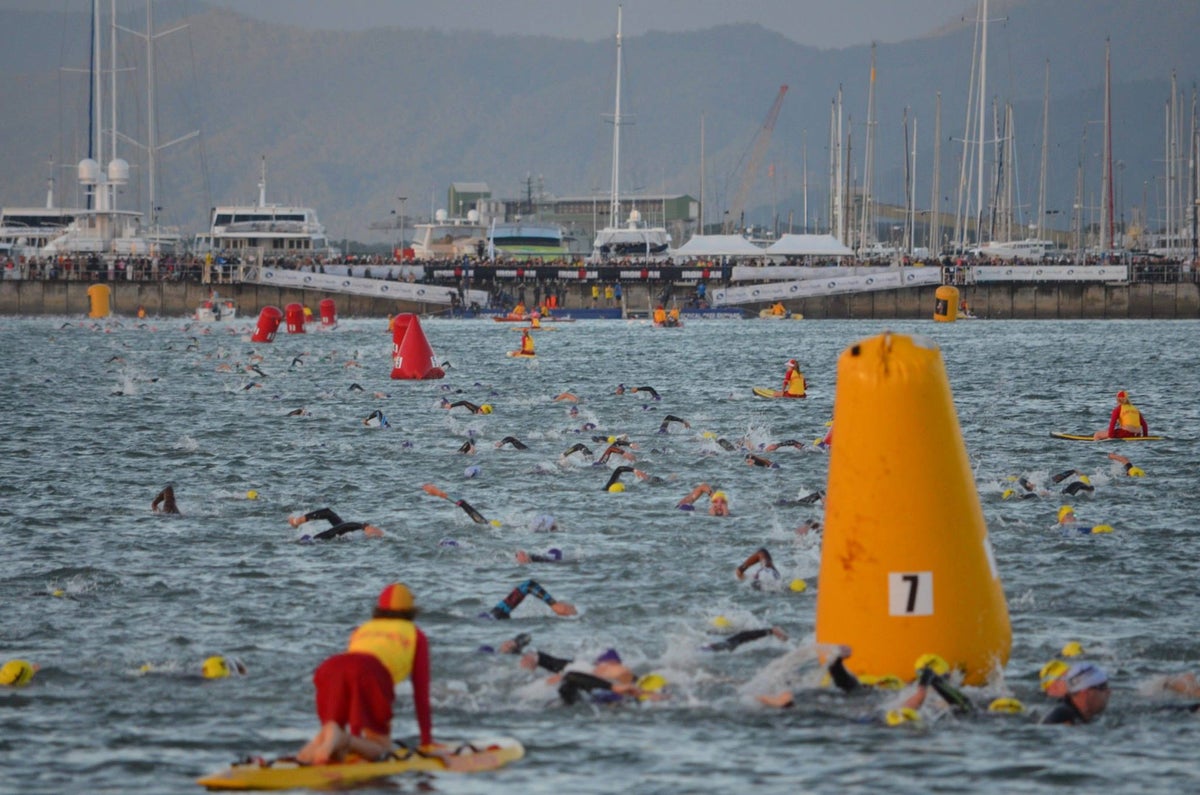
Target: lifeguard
{"x": 778, "y": 310}
{"x": 1125, "y": 421}
{"x": 794, "y": 385}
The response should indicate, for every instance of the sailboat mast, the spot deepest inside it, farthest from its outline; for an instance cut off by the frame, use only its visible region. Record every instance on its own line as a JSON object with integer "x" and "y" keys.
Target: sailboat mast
{"x": 982, "y": 115}
{"x": 614, "y": 203}
{"x": 701, "y": 213}
{"x": 804, "y": 160}
{"x": 1106, "y": 189}
{"x": 151, "y": 139}
{"x": 935, "y": 206}
{"x": 1041, "y": 223}
{"x": 867, "y": 218}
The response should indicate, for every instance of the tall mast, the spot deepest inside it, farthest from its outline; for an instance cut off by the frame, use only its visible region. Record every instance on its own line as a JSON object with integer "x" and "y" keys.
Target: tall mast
{"x": 867, "y": 219}
{"x": 701, "y": 229}
{"x": 840, "y": 206}
{"x": 804, "y": 160}
{"x": 614, "y": 203}
{"x": 833, "y": 169}
{"x": 1041, "y": 222}
{"x": 935, "y": 206}
{"x": 982, "y": 114}
{"x": 1106, "y": 187}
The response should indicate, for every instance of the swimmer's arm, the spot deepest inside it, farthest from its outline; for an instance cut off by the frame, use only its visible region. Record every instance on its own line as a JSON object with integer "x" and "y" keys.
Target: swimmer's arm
{"x": 551, "y": 663}
{"x": 576, "y": 682}
{"x": 323, "y": 513}
{"x": 843, "y": 679}
{"x": 339, "y": 530}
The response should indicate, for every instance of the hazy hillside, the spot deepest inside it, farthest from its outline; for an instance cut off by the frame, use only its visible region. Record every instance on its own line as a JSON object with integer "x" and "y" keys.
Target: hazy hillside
{"x": 349, "y": 122}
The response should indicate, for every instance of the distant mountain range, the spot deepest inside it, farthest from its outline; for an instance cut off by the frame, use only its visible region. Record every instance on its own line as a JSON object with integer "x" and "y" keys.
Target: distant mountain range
{"x": 351, "y": 121}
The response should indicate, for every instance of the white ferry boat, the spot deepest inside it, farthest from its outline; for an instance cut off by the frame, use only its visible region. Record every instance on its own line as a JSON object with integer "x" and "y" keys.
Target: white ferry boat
{"x": 273, "y": 229}
{"x": 449, "y": 238}
{"x": 526, "y": 240}
{"x": 1029, "y": 249}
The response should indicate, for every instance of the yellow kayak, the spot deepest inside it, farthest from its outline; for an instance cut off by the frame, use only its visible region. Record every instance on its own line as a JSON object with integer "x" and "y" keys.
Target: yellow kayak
{"x": 473, "y": 757}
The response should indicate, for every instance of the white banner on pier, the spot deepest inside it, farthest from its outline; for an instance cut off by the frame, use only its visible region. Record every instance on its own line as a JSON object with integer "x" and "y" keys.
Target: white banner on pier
{"x": 833, "y": 285}
{"x": 378, "y": 288}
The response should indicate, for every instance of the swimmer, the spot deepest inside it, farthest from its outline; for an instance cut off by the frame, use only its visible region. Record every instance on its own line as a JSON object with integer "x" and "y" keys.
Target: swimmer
{"x": 255, "y": 368}
{"x": 218, "y": 667}
{"x": 767, "y": 573}
{"x": 688, "y": 502}
{"x": 543, "y": 523}
{"x": 808, "y": 526}
{"x": 469, "y": 406}
{"x": 1130, "y": 470}
{"x": 1085, "y": 698}
{"x": 651, "y": 391}
{"x": 758, "y": 461}
{"x": 614, "y": 479}
{"x": 504, "y": 608}
{"x": 300, "y": 412}
{"x": 667, "y": 420}
{"x": 1125, "y": 421}
{"x": 808, "y": 499}
{"x": 786, "y": 443}
{"x": 653, "y": 480}
{"x": 514, "y": 645}
{"x": 741, "y": 638}
{"x": 164, "y": 502}
{"x": 1069, "y": 524}
{"x": 619, "y": 450}
{"x": 337, "y": 526}
{"x": 613, "y": 680}
{"x": 570, "y": 397}
{"x": 516, "y": 443}
{"x": 578, "y": 447}
{"x": 725, "y": 444}
{"x": 552, "y": 555}
{"x": 376, "y": 420}
{"x": 467, "y": 447}
{"x": 470, "y": 511}
{"x": 718, "y": 504}
{"x": 356, "y": 387}
{"x": 296, "y": 360}
{"x": 251, "y": 385}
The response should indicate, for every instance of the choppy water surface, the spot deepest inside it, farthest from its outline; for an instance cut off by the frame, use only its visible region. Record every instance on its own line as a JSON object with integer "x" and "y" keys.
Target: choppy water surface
{"x": 98, "y": 417}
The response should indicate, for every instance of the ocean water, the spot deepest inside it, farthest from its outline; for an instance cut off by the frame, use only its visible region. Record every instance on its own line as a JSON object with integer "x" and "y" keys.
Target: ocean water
{"x": 120, "y": 606}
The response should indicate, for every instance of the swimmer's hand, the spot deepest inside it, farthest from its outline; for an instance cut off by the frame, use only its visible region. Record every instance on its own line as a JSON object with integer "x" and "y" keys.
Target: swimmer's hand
{"x": 563, "y": 609}
{"x": 295, "y": 521}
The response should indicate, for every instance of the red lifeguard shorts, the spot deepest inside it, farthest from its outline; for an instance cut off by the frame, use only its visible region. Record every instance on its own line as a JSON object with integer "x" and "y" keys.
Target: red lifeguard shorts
{"x": 355, "y": 691}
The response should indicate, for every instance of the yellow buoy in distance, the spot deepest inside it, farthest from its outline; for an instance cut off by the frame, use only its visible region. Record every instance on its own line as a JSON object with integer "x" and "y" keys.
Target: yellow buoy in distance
{"x": 906, "y": 566}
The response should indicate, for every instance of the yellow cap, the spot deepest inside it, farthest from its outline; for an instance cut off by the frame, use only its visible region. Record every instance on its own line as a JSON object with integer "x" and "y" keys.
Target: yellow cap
{"x": 215, "y": 668}
{"x": 798, "y": 585}
{"x": 1072, "y": 649}
{"x": 651, "y": 683}
{"x": 1063, "y": 511}
{"x": 612, "y": 439}
{"x": 934, "y": 661}
{"x": 884, "y": 682}
{"x": 494, "y": 523}
{"x": 1102, "y": 528}
{"x": 17, "y": 673}
{"x": 1136, "y": 472}
{"x": 1006, "y": 494}
{"x": 721, "y": 622}
{"x": 616, "y": 487}
{"x": 58, "y": 592}
{"x": 708, "y": 435}
{"x": 1051, "y": 671}
{"x": 1009, "y": 705}
{"x": 1085, "y": 479}
{"x": 719, "y": 496}
{"x": 897, "y": 717}
{"x": 252, "y": 495}
{"x": 486, "y": 408}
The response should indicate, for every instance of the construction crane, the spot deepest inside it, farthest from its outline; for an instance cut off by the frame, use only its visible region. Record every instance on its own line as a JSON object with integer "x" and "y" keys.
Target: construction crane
{"x": 761, "y": 141}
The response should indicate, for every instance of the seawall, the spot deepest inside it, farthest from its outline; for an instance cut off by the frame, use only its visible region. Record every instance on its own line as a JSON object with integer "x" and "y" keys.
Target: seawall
{"x": 1046, "y": 301}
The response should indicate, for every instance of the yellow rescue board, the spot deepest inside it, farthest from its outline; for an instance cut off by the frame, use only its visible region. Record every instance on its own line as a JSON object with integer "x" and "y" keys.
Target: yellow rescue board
{"x": 473, "y": 757}
{"x": 520, "y": 355}
{"x": 763, "y": 392}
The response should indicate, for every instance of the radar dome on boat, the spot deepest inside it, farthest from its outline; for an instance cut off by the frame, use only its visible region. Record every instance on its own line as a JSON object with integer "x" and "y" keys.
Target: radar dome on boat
{"x": 89, "y": 171}
{"x": 118, "y": 171}
{"x": 473, "y": 216}
{"x": 440, "y": 216}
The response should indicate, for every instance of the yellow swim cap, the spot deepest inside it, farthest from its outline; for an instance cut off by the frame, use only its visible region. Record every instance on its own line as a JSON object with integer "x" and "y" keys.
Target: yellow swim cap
{"x": 215, "y": 668}
{"x": 1102, "y": 528}
{"x": 897, "y": 717}
{"x": 651, "y": 683}
{"x": 252, "y": 495}
{"x": 719, "y": 496}
{"x": 798, "y": 585}
{"x": 612, "y": 439}
{"x": 1052, "y": 671}
{"x": 486, "y": 408}
{"x": 708, "y": 435}
{"x": 616, "y": 487}
{"x": 494, "y": 523}
{"x": 1009, "y": 705}
{"x": 1085, "y": 479}
{"x": 58, "y": 592}
{"x": 1063, "y": 511}
{"x": 721, "y": 622}
{"x": 1136, "y": 472}
{"x": 1072, "y": 649}
{"x": 17, "y": 673}
{"x": 1006, "y": 494}
{"x": 934, "y": 661}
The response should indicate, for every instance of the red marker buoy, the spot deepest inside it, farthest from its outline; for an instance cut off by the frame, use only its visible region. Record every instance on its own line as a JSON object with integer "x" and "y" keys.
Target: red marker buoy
{"x": 268, "y": 324}
{"x": 328, "y": 312}
{"x": 412, "y": 358}
{"x": 294, "y": 316}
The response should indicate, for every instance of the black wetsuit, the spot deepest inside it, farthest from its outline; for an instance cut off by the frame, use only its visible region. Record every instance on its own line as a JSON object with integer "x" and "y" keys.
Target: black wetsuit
{"x": 575, "y": 683}
{"x": 733, "y": 641}
{"x": 667, "y": 420}
{"x": 514, "y": 441}
{"x": 339, "y": 528}
{"x": 503, "y": 609}
{"x": 1064, "y": 712}
{"x": 578, "y": 447}
{"x": 616, "y": 476}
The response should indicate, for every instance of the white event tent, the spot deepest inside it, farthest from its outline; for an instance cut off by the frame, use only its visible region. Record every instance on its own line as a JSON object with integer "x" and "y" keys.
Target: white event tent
{"x": 808, "y": 246}
{"x": 718, "y": 246}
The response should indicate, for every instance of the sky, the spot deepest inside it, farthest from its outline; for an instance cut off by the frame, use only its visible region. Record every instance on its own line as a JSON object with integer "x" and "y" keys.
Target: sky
{"x": 826, "y": 24}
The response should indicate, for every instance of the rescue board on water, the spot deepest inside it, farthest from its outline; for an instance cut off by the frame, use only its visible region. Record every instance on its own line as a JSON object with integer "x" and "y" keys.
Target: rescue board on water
{"x": 1087, "y": 437}
{"x": 476, "y": 756}
{"x": 763, "y": 392}
{"x": 520, "y": 355}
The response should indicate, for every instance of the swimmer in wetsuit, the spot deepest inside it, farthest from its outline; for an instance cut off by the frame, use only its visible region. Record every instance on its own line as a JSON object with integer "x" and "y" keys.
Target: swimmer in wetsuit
{"x": 552, "y": 555}
{"x": 767, "y": 573}
{"x": 337, "y": 526}
{"x": 786, "y": 443}
{"x": 759, "y": 461}
{"x": 376, "y": 420}
{"x": 651, "y": 391}
{"x": 667, "y": 420}
{"x": 468, "y": 405}
{"x": 164, "y": 502}
{"x": 733, "y": 641}
{"x": 504, "y": 608}
{"x": 620, "y": 450}
{"x": 578, "y": 447}
{"x": 516, "y": 443}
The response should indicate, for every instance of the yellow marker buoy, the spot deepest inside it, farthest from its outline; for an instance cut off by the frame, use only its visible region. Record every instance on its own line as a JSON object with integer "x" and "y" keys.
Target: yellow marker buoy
{"x": 906, "y": 566}
{"x": 99, "y": 295}
{"x": 945, "y": 308}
